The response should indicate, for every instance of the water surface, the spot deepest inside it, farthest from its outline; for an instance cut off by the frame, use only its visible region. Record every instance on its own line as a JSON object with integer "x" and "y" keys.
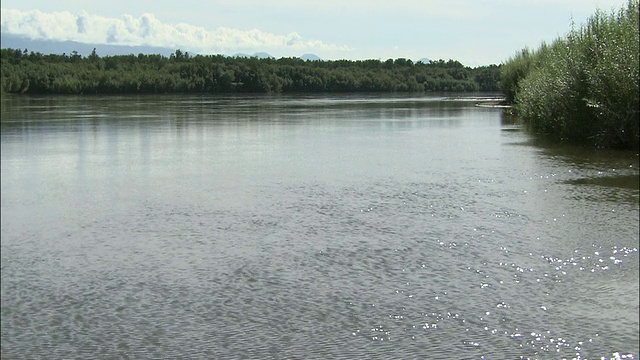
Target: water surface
{"x": 360, "y": 226}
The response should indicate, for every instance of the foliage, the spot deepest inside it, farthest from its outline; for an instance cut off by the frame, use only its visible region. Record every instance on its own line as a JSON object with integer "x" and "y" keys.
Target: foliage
{"x": 35, "y": 73}
{"x": 516, "y": 69}
{"x": 584, "y": 87}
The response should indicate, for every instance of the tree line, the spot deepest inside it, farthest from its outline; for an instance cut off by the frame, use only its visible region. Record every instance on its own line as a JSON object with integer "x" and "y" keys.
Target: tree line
{"x": 582, "y": 87}
{"x": 36, "y": 73}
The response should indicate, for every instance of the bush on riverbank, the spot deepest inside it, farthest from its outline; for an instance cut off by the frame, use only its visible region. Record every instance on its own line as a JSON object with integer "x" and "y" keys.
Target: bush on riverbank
{"x": 584, "y": 87}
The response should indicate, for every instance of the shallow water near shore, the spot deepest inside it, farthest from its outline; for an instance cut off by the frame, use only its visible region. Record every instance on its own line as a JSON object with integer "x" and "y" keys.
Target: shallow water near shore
{"x": 337, "y": 226}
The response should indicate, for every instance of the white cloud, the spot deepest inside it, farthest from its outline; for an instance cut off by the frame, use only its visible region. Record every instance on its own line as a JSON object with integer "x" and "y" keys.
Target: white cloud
{"x": 149, "y": 30}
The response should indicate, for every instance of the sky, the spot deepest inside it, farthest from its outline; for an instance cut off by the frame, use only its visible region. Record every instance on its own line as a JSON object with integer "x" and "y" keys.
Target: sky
{"x": 474, "y": 32}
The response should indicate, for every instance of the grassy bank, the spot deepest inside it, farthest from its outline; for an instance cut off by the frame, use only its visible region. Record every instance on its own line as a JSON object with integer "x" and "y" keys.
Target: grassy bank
{"x": 582, "y": 88}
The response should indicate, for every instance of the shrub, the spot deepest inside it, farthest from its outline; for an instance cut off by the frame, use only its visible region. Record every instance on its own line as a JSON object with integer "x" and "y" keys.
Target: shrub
{"x": 584, "y": 87}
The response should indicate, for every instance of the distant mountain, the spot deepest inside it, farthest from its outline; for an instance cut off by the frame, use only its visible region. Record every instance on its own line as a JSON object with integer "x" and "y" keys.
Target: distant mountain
{"x": 424, "y": 60}
{"x": 310, "y": 57}
{"x": 260, "y": 55}
{"x": 263, "y": 55}
{"x": 10, "y": 41}
{"x": 67, "y": 47}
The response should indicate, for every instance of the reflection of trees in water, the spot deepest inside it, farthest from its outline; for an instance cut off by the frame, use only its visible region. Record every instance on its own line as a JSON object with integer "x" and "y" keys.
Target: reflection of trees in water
{"x": 588, "y": 158}
{"x": 594, "y": 174}
{"x": 509, "y": 119}
{"x": 623, "y": 181}
{"x": 579, "y": 156}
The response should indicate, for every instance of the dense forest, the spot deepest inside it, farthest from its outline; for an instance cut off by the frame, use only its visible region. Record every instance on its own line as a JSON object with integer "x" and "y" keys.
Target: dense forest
{"x": 36, "y": 73}
{"x": 582, "y": 88}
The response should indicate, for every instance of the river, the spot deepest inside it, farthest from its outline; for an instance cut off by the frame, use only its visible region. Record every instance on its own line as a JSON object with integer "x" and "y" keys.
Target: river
{"x": 333, "y": 226}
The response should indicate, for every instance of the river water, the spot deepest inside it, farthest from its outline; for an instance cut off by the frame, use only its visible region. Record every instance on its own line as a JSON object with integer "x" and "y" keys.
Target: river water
{"x": 346, "y": 226}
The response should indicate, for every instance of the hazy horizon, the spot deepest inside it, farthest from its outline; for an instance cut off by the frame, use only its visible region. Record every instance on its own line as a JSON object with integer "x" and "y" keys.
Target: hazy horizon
{"x": 471, "y": 32}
